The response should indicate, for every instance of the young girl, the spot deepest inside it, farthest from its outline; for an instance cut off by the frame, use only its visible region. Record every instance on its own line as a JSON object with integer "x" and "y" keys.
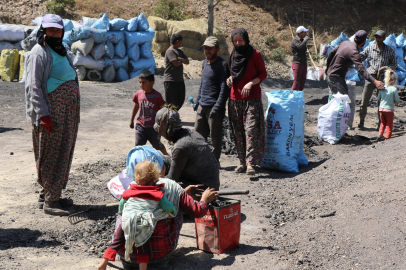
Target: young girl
{"x": 387, "y": 98}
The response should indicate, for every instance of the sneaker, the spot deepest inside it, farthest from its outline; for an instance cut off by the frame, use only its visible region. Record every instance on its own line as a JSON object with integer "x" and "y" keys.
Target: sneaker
{"x": 55, "y": 209}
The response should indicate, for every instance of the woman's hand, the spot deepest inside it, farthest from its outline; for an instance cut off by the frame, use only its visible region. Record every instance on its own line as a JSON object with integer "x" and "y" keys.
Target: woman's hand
{"x": 247, "y": 89}
{"x": 209, "y": 195}
{"x": 230, "y": 81}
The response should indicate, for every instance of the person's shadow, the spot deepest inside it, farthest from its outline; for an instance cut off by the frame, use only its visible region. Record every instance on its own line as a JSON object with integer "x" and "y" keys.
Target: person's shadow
{"x": 23, "y": 237}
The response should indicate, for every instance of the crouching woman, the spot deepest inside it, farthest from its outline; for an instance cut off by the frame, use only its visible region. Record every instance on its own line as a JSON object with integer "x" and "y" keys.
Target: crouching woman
{"x": 152, "y": 216}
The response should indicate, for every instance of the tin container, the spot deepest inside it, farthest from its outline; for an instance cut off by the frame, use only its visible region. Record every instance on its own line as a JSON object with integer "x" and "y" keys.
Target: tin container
{"x": 219, "y": 230}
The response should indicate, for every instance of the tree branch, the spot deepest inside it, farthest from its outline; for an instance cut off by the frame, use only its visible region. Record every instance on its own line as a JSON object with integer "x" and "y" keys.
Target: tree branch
{"x": 216, "y": 3}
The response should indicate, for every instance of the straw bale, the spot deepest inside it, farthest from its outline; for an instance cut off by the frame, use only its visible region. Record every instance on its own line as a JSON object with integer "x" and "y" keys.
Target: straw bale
{"x": 192, "y": 43}
{"x": 160, "y": 47}
{"x": 161, "y": 36}
{"x": 157, "y": 23}
{"x": 194, "y": 54}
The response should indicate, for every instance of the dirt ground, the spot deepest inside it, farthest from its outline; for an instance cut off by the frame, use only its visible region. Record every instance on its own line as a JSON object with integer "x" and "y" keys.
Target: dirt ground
{"x": 281, "y": 224}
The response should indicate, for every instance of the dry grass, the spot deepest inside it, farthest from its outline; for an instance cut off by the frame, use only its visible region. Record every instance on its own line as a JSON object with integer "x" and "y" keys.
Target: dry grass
{"x": 125, "y": 9}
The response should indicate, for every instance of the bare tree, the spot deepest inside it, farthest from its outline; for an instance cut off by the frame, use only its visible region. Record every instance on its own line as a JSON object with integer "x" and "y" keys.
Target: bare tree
{"x": 211, "y": 17}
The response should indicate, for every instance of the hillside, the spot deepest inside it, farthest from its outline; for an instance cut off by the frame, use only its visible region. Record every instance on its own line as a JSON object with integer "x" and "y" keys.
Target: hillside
{"x": 261, "y": 18}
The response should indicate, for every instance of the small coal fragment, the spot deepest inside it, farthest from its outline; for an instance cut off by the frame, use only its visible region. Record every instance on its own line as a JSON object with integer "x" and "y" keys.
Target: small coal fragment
{"x": 328, "y": 214}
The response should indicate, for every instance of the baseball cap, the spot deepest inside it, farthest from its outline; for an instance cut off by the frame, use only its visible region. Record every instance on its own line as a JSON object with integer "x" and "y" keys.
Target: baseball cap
{"x": 380, "y": 33}
{"x": 301, "y": 29}
{"x": 52, "y": 20}
{"x": 361, "y": 35}
{"x": 211, "y": 42}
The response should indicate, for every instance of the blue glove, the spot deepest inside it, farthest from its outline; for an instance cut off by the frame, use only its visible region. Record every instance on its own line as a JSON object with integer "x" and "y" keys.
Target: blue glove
{"x": 213, "y": 113}
{"x": 195, "y": 106}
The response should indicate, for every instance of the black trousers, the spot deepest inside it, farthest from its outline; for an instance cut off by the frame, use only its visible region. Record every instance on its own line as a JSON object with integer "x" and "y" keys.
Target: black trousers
{"x": 210, "y": 126}
{"x": 337, "y": 85}
{"x": 175, "y": 93}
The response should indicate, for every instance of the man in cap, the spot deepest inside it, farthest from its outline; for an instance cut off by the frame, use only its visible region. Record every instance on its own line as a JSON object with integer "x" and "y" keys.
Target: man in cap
{"x": 299, "y": 63}
{"x": 342, "y": 58}
{"x": 212, "y": 97}
{"x": 380, "y": 57}
{"x": 173, "y": 76}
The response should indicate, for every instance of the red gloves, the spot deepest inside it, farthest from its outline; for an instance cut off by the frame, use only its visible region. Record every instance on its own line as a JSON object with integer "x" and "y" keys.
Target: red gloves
{"x": 46, "y": 123}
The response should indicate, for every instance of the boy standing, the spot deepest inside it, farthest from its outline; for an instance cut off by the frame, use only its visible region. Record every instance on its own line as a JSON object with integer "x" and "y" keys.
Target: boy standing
{"x": 148, "y": 101}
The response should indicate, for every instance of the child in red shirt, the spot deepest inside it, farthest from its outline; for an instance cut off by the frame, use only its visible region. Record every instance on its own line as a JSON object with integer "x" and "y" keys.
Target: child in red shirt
{"x": 148, "y": 101}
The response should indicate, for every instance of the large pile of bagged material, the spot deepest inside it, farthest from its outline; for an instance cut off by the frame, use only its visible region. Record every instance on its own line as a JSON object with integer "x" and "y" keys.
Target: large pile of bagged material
{"x": 397, "y": 43}
{"x": 108, "y": 50}
{"x": 194, "y": 32}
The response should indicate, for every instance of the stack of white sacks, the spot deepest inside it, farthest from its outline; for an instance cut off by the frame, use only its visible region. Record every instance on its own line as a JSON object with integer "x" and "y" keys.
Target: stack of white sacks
{"x": 108, "y": 50}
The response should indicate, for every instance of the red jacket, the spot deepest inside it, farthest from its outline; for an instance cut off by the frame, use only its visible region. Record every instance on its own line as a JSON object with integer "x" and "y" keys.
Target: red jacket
{"x": 255, "y": 69}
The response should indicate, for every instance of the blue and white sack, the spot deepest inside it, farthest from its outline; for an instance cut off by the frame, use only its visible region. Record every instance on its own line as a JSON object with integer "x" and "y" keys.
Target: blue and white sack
{"x": 285, "y": 131}
{"x": 117, "y": 62}
{"x": 134, "y": 52}
{"x": 146, "y": 50}
{"x": 119, "y": 49}
{"x": 118, "y": 24}
{"x": 132, "y": 25}
{"x": 121, "y": 75}
{"x": 132, "y": 38}
{"x": 102, "y": 23}
{"x": 85, "y": 32}
{"x": 142, "y": 63}
{"x": 333, "y": 118}
{"x": 109, "y": 49}
{"x": 115, "y": 36}
{"x": 143, "y": 24}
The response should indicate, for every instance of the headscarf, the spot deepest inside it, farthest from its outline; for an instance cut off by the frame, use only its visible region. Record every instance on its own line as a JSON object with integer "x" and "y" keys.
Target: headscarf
{"x": 54, "y": 43}
{"x": 141, "y": 153}
{"x": 240, "y": 55}
{"x": 167, "y": 122}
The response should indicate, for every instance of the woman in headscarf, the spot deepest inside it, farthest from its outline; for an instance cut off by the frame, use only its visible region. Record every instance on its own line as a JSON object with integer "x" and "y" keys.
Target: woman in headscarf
{"x": 245, "y": 110}
{"x": 52, "y": 105}
{"x": 158, "y": 242}
{"x": 192, "y": 160}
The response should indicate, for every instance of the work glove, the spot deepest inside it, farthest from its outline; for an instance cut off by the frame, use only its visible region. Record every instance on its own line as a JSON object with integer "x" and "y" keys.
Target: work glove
{"x": 213, "y": 114}
{"x": 46, "y": 123}
{"x": 195, "y": 106}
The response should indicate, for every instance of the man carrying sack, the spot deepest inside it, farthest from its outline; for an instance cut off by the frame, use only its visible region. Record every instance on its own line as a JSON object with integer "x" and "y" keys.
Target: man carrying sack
{"x": 342, "y": 58}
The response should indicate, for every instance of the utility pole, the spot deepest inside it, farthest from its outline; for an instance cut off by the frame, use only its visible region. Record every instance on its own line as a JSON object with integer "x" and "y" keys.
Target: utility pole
{"x": 211, "y": 17}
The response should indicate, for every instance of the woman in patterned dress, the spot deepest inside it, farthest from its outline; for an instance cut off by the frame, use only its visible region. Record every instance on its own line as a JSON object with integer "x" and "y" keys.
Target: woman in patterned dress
{"x": 53, "y": 106}
{"x": 245, "y": 110}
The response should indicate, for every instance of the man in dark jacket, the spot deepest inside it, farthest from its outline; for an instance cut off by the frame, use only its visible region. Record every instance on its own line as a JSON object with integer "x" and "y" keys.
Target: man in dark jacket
{"x": 192, "y": 160}
{"x": 299, "y": 63}
{"x": 213, "y": 94}
{"x": 342, "y": 58}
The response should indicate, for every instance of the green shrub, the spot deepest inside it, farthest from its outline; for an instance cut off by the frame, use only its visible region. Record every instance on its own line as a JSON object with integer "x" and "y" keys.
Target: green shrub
{"x": 170, "y": 10}
{"x": 278, "y": 54}
{"x": 58, "y": 6}
{"x": 270, "y": 40}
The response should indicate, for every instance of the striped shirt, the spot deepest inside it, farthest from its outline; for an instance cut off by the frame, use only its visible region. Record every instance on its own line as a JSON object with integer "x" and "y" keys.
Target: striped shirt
{"x": 379, "y": 58}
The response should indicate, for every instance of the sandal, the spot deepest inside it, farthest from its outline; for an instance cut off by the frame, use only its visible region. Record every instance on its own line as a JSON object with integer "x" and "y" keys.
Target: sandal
{"x": 240, "y": 169}
{"x": 250, "y": 171}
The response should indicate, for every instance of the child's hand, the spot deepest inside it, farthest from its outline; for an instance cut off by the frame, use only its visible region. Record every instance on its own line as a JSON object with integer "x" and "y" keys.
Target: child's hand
{"x": 132, "y": 124}
{"x": 103, "y": 264}
{"x": 209, "y": 195}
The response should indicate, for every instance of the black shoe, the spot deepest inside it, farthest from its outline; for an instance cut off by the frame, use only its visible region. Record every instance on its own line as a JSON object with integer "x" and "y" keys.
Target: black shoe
{"x": 65, "y": 202}
{"x": 41, "y": 202}
{"x": 55, "y": 209}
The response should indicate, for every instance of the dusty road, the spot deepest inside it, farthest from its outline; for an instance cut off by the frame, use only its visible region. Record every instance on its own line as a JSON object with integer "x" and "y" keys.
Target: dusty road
{"x": 281, "y": 223}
